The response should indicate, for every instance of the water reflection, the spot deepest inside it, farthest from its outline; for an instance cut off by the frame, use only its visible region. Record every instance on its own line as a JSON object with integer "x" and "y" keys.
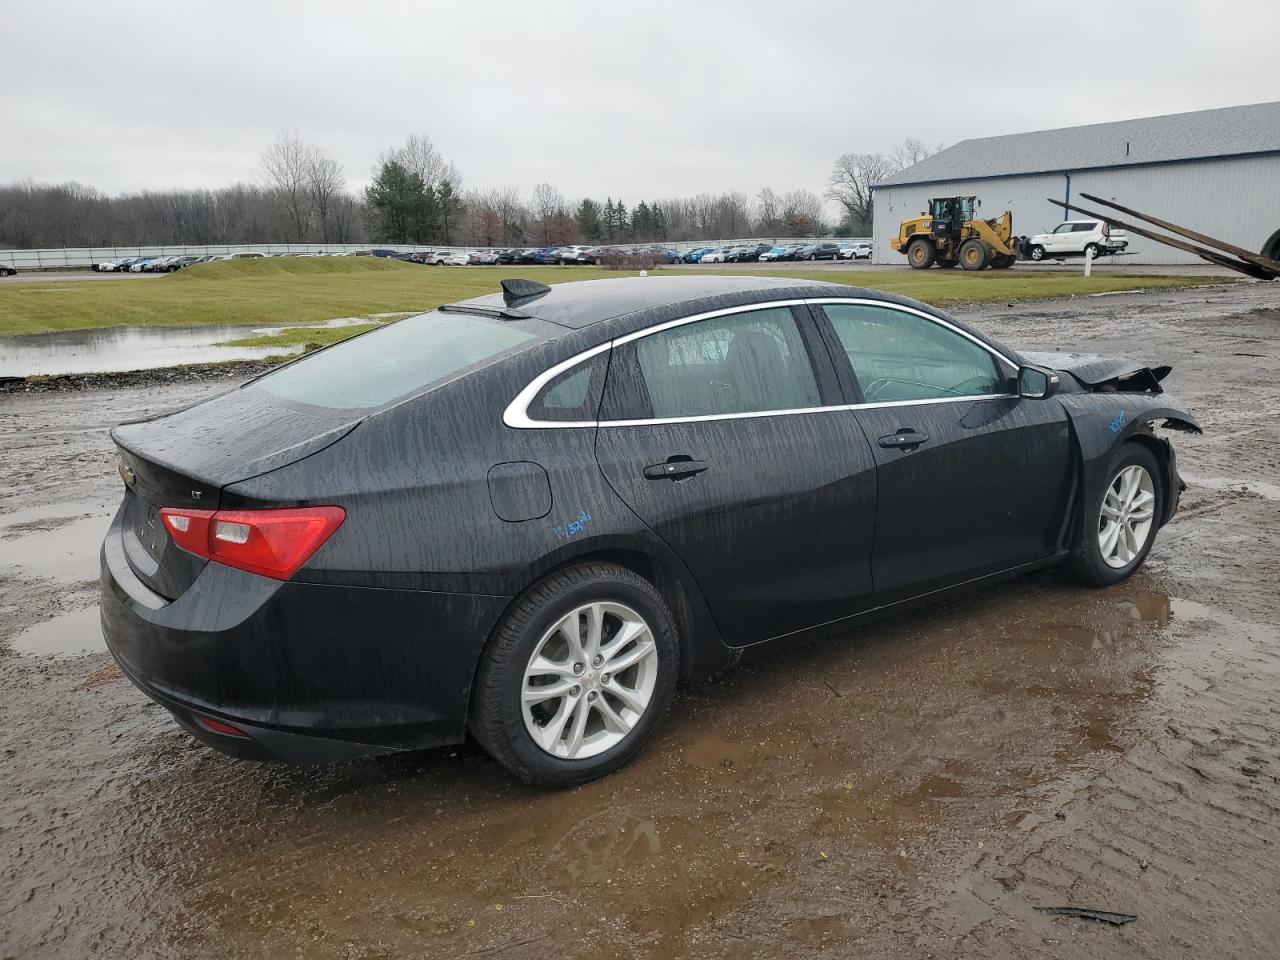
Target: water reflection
{"x": 135, "y": 348}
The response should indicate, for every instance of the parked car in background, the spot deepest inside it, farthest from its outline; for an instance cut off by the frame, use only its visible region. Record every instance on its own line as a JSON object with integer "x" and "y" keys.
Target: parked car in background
{"x": 856, "y": 251}
{"x": 661, "y": 255}
{"x": 715, "y": 255}
{"x": 819, "y": 251}
{"x": 578, "y": 253}
{"x": 500, "y": 493}
{"x": 547, "y": 255}
{"x": 740, "y": 254}
{"x": 773, "y": 254}
{"x": 7, "y": 271}
{"x": 483, "y": 258}
{"x": 508, "y": 256}
{"x": 1075, "y": 238}
{"x": 694, "y": 255}
{"x": 446, "y": 259}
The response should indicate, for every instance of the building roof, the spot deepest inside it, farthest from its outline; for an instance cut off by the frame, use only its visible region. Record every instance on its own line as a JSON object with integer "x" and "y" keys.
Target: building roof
{"x": 1224, "y": 132}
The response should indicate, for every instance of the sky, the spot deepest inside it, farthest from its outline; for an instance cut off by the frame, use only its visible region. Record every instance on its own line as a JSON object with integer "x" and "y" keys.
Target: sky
{"x": 635, "y": 100}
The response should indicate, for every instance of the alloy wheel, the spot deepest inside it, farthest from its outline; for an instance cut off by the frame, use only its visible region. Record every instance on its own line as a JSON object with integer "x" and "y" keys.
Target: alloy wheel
{"x": 1127, "y": 516}
{"x": 590, "y": 680}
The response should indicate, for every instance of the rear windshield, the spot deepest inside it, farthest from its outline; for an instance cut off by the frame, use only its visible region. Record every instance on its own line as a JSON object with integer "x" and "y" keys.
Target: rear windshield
{"x": 400, "y": 359}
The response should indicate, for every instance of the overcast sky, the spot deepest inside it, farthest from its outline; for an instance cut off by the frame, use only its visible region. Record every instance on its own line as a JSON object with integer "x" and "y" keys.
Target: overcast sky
{"x": 640, "y": 100}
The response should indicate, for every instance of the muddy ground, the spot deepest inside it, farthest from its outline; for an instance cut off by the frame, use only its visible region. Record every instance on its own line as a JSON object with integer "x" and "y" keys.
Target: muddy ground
{"x": 913, "y": 790}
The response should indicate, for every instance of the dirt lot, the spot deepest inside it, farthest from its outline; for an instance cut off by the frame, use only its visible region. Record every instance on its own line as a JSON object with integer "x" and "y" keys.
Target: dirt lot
{"x": 914, "y": 790}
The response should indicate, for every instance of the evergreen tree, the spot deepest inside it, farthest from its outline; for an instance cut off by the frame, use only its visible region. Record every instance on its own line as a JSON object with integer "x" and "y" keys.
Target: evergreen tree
{"x": 400, "y": 207}
{"x": 640, "y": 221}
{"x": 450, "y": 206}
{"x": 590, "y": 224}
{"x": 621, "y": 222}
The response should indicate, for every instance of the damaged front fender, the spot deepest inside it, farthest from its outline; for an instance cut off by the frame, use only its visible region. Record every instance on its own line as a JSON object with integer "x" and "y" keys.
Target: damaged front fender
{"x": 1103, "y": 374}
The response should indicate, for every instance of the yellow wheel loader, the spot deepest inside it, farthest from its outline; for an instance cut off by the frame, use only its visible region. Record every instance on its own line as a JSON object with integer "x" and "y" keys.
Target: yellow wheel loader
{"x": 948, "y": 234}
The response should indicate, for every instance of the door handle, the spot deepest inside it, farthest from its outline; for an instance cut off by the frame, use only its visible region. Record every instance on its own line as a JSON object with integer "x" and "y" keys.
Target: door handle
{"x": 904, "y": 439}
{"x": 675, "y": 469}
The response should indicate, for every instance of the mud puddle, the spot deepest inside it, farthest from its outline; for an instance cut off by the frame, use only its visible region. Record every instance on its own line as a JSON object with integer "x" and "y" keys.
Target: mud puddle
{"x": 57, "y": 542}
{"x": 71, "y": 634}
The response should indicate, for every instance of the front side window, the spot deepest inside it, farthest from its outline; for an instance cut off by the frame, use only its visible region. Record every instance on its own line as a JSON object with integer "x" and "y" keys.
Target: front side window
{"x": 903, "y": 356}
{"x": 739, "y": 363}
{"x": 393, "y": 362}
{"x": 1064, "y": 228}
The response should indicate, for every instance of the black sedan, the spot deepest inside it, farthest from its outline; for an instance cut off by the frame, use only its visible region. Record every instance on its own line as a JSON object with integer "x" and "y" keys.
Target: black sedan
{"x": 530, "y": 514}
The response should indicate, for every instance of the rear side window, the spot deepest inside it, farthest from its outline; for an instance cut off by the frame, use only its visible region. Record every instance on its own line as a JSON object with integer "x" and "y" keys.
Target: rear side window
{"x": 1085, "y": 227}
{"x": 574, "y": 395}
{"x": 902, "y": 356}
{"x": 400, "y": 359}
{"x": 740, "y": 363}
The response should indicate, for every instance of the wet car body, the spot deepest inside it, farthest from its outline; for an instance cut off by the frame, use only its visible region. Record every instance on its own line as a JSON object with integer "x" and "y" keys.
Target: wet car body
{"x": 460, "y": 495}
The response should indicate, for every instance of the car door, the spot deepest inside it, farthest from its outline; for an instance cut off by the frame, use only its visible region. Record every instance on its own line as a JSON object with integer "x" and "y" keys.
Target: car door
{"x": 715, "y": 432}
{"x": 972, "y": 478}
{"x": 1059, "y": 241}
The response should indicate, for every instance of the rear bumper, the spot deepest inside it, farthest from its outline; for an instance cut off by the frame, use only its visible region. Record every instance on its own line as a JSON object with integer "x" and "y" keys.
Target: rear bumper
{"x": 309, "y": 672}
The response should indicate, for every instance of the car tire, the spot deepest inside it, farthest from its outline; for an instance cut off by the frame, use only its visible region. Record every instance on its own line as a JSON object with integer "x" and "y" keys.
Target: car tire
{"x": 813, "y": 257}
{"x": 1036, "y": 252}
{"x": 921, "y": 253}
{"x": 504, "y": 725}
{"x": 1097, "y": 251}
{"x": 1091, "y": 562}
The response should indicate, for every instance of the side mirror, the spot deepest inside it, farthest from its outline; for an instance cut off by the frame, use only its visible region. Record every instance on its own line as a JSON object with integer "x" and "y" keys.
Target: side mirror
{"x": 1037, "y": 383}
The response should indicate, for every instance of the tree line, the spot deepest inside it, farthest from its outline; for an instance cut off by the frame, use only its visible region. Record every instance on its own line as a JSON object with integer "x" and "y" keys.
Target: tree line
{"x": 302, "y": 195}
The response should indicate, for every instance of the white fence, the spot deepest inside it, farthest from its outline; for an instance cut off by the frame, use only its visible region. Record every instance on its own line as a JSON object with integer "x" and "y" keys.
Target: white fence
{"x": 73, "y": 257}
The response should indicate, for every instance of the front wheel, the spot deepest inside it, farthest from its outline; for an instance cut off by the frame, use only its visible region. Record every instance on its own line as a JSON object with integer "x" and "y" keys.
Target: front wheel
{"x": 974, "y": 255}
{"x": 1037, "y": 252}
{"x": 1120, "y": 521}
{"x": 577, "y": 676}
{"x": 921, "y": 253}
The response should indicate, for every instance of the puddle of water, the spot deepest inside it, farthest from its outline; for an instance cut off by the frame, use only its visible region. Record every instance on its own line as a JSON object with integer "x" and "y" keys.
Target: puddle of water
{"x": 68, "y": 635}
{"x": 126, "y": 348}
{"x": 67, "y": 552}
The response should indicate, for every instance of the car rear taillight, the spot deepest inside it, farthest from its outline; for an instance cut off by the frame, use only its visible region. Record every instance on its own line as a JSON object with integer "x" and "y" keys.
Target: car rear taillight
{"x": 221, "y": 728}
{"x": 1106, "y": 229}
{"x": 273, "y": 543}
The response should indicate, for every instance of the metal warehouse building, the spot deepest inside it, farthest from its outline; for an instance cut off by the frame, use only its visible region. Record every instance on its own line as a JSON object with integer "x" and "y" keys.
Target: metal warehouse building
{"x": 1215, "y": 171}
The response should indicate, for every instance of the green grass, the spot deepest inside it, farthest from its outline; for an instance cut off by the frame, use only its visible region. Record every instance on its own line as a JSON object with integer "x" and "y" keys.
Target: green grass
{"x": 312, "y": 290}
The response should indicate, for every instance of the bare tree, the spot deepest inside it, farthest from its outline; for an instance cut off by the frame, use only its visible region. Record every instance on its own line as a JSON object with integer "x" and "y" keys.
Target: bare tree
{"x": 548, "y": 206}
{"x": 802, "y": 214}
{"x": 327, "y": 186}
{"x": 511, "y": 212}
{"x": 855, "y": 174}
{"x": 912, "y": 152}
{"x": 481, "y": 223}
{"x": 419, "y": 155}
{"x": 769, "y": 214}
{"x": 851, "y": 182}
{"x": 287, "y": 166}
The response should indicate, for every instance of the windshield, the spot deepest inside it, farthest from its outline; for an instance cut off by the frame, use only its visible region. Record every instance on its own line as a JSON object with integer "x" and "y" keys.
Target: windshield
{"x": 390, "y": 363}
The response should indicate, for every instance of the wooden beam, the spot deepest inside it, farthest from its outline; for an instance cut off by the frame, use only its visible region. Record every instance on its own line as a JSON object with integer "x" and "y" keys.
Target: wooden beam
{"x": 1211, "y": 256}
{"x": 1256, "y": 259}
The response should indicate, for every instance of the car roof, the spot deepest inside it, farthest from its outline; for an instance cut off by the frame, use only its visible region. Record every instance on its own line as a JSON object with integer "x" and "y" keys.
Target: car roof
{"x": 582, "y": 303}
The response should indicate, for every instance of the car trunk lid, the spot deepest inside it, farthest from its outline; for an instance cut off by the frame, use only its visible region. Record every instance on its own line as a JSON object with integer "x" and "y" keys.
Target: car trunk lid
{"x": 185, "y": 459}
